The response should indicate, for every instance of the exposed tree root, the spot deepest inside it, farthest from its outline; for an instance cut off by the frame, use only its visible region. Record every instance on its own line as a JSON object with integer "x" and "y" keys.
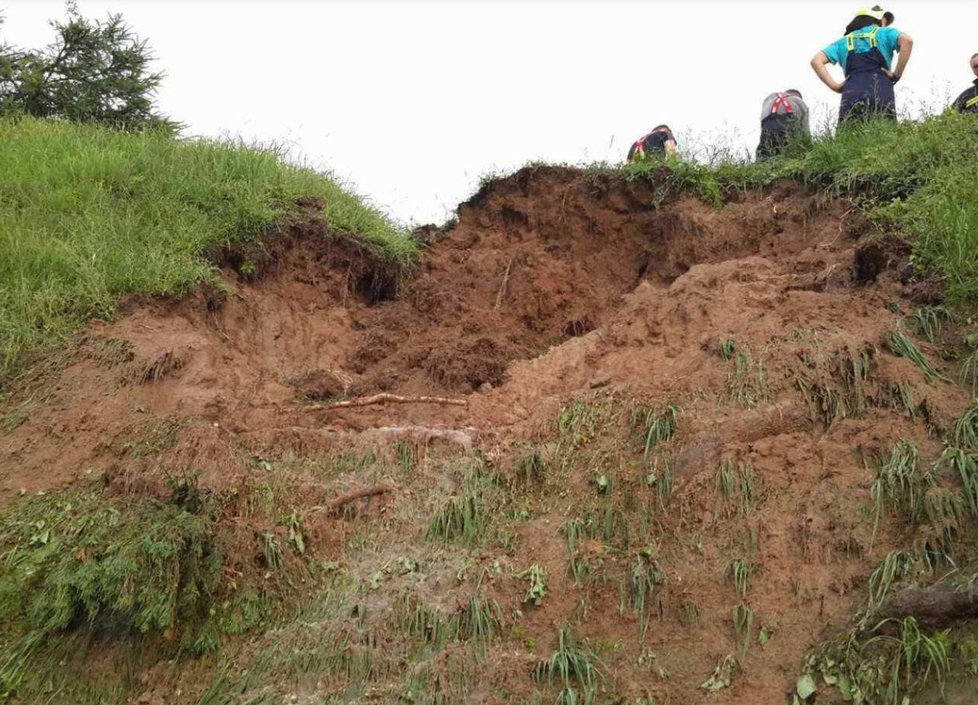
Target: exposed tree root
{"x": 340, "y": 502}
{"x": 935, "y": 606}
{"x": 388, "y": 399}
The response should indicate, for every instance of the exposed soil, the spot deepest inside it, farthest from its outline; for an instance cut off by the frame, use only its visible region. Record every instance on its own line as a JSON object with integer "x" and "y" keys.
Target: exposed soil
{"x": 551, "y": 286}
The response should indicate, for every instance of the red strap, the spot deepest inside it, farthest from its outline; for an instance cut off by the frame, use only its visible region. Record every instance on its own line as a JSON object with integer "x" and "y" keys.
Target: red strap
{"x": 782, "y": 100}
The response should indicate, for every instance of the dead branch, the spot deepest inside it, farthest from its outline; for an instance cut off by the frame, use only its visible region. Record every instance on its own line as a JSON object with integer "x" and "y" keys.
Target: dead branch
{"x": 336, "y": 504}
{"x": 386, "y": 399}
{"x": 935, "y": 606}
{"x": 502, "y": 287}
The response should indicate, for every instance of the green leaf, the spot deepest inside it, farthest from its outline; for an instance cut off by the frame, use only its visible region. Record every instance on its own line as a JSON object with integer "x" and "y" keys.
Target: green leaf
{"x": 805, "y": 686}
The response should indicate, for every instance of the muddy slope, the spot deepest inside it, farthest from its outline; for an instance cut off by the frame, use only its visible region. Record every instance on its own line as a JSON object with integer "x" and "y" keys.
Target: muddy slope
{"x": 553, "y": 286}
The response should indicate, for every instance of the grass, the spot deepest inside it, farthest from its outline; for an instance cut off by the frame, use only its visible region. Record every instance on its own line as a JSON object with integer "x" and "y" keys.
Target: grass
{"x": 658, "y": 426}
{"x": 966, "y": 429}
{"x": 965, "y": 465}
{"x": 68, "y": 562}
{"x": 743, "y": 621}
{"x": 728, "y": 347}
{"x": 77, "y": 564}
{"x": 739, "y": 571}
{"x": 747, "y": 384}
{"x": 644, "y": 580}
{"x": 464, "y": 518}
{"x": 886, "y": 664}
{"x": 89, "y": 214}
{"x": 895, "y": 566}
{"x": 969, "y": 372}
{"x": 898, "y": 485}
{"x": 928, "y": 321}
{"x": 733, "y": 479}
{"x": 841, "y": 387}
{"x": 902, "y": 346}
{"x": 574, "y": 668}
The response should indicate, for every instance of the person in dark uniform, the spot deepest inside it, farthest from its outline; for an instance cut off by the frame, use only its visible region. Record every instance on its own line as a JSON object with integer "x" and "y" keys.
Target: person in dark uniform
{"x": 967, "y": 102}
{"x": 866, "y": 54}
{"x": 659, "y": 142}
{"x": 782, "y": 114}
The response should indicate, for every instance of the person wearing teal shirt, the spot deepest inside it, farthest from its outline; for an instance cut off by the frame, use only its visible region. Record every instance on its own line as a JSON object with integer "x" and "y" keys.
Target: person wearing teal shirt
{"x": 866, "y": 55}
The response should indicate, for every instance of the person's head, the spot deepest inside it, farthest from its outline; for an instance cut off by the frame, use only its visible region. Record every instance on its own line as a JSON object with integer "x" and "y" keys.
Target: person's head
{"x": 661, "y": 128}
{"x": 792, "y": 91}
{"x": 974, "y": 63}
{"x": 869, "y": 16}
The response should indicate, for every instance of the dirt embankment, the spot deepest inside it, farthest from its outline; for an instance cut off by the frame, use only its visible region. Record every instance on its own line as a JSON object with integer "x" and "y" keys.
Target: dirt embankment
{"x": 553, "y": 285}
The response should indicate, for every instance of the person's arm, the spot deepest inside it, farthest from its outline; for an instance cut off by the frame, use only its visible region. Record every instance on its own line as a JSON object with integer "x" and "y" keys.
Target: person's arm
{"x": 670, "y": 146}
{"x": 820, "y": 64}
{"x": 905, "y": 47}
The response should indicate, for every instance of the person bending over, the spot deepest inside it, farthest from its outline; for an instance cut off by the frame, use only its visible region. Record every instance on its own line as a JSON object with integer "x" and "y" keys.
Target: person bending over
{"x": 659, "y": 142}
{"x": 782, "y": 115}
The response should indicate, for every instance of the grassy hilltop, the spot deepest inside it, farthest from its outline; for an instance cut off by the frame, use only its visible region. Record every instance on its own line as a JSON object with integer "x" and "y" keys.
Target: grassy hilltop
{"x": 89, "y": 214}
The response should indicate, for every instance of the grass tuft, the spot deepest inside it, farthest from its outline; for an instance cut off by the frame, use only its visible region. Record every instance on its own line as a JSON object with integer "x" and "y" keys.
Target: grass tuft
{"x": 898, "y": 485}
{"x": 739, "y": 571}
{"x": 966, "y": 430}
{"x": 928, "y": 321}
{"x": 902, "y": 346}
{"x": 743, "y": 620}
{"x": 463, "y": 519}
{"x": 747, "y": 384}
{"x": 574, "y": 668}
{"x": 657, "y": 426}
{"x": 644, "y": 579}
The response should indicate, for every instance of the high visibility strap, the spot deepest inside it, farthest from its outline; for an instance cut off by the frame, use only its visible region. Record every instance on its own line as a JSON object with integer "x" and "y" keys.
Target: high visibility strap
{"x": 868, "y": 36}
{"x": 782, "y": 100}
{"x": 972, "y": 102}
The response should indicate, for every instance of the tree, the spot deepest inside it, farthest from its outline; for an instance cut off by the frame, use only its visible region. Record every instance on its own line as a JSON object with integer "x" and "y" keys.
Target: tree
{"x": 94, "y": 71}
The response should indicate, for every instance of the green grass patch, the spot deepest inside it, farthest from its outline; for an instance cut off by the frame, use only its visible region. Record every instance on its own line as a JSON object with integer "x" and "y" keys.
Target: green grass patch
{"x": 133, "y": 573}
{"x": 89, "y": 214}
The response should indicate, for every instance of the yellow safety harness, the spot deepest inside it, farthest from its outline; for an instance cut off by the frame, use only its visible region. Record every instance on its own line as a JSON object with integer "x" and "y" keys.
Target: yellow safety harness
{"x": 868, "y": 36}
{"x": 971, "y": 103}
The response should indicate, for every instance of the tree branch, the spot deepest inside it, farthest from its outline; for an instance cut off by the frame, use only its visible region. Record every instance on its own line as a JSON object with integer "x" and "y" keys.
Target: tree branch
{"x": 387, "y": 399}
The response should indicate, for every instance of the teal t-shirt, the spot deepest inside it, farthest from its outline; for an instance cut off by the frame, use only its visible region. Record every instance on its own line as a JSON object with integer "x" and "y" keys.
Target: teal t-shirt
{"x": 886, "y": 41}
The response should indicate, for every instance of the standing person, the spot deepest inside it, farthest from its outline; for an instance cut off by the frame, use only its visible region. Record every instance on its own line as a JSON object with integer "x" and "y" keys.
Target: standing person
{"x": 866, "y": 55}
{"x": 967, "y": 102}
{"x": 782, "y": 115}
{"x": 659, "y": 142}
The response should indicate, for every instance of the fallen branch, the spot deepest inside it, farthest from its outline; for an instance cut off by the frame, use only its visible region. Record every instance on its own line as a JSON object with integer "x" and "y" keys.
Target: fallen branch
{"x": 335, "y": 505}
{"x": 936, "y": 606}
{"x": 387, "y": 399}
{"x": 502, "y": 288}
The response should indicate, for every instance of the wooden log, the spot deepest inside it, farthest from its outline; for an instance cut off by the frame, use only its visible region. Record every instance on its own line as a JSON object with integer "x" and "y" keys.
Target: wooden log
{"x": 939, "y": 605}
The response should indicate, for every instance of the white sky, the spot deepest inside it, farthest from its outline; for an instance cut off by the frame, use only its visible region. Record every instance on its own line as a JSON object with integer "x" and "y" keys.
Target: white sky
{"x": 411, "y": 102}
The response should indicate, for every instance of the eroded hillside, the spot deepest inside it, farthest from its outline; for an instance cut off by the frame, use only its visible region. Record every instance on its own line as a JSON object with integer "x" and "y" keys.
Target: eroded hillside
{"x": 669, "y": 446}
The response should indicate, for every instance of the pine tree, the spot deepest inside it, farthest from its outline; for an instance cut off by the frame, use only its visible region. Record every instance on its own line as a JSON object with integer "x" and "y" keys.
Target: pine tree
{"x": 94, "y": 71}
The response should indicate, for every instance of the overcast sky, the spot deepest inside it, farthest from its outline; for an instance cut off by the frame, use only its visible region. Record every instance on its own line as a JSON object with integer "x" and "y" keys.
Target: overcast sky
{"x": 411, "y": 102}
